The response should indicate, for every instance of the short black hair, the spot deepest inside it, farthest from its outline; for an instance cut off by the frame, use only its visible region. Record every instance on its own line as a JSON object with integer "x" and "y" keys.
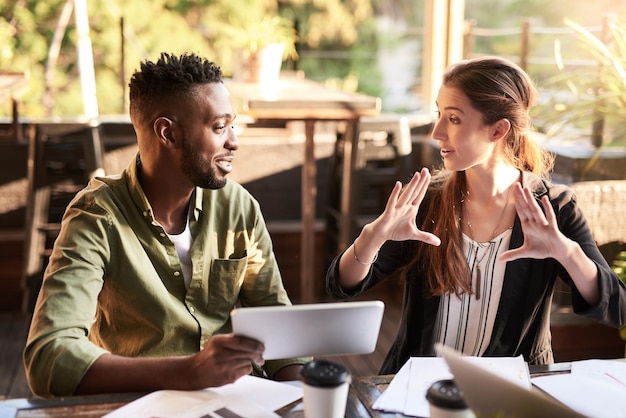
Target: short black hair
{"x": 169, "y": 77}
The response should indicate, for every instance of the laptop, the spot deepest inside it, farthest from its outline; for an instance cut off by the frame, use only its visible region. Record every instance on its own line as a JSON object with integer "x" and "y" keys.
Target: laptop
{"x": 316, "y": 329}
{"x": 490, "y": 395}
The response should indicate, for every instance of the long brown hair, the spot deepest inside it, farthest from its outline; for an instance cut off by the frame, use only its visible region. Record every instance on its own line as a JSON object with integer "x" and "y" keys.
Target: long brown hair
{"x": 498, "y": 89}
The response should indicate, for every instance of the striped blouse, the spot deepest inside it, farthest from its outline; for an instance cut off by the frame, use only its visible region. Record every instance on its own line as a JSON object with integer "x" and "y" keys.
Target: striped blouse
{"x": 466, "y": 323}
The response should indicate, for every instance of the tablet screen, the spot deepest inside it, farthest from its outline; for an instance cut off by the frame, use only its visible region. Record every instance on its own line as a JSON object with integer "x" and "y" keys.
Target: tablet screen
{"x": 338, "y": 328}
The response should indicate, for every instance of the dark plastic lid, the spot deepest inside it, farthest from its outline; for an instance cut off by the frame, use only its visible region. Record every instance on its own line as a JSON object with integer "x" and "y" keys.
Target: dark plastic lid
{"x": 323, "y": 373}
{"x": 445, "y": 394}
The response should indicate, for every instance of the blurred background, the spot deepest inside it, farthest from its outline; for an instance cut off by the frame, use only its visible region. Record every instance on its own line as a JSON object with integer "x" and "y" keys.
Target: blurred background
{"x": 371, "y": 46}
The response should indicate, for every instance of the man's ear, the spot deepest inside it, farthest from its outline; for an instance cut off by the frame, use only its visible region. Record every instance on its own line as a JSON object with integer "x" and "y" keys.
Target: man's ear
{"x": 164, "y": 130}
{"x": 500, "y": 129}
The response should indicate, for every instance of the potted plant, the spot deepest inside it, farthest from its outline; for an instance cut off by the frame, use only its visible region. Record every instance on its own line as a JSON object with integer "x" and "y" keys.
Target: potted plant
{"x": 583, "y": 118}
{"x": 259, "y": 45}
{"x": 594, "y": 95}
{"x": 619, "y": 267}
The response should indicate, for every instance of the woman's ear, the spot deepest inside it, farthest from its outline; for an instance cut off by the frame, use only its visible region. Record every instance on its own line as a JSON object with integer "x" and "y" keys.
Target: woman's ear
{"x": 164, "y": 130}
{"x": 500, "y": 129}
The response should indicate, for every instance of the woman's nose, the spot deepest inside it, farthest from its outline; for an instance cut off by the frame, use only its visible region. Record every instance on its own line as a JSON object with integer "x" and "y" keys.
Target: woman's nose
{"x": 438, "y": 132}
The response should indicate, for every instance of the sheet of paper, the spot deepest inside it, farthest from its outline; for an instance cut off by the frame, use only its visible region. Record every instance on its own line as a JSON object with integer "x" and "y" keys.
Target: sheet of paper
{"x": 393, "y": 398}
{"x": 424, "y": 372}
{"x": 595, "y": 388}
{"x": 406, "y": 393}
{"x": 591, "y": 396}
{"x": 614, "y": 371}
{"x": 270, "y": 394}
{"x": 249, "y": 397}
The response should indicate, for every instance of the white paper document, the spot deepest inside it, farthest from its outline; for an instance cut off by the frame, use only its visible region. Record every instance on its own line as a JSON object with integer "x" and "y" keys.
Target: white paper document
{"x": 594, "y": 388}
{"x": 249, "y": 397}
{"x": 406, "y": 393}
{"x": 396, "y": 397}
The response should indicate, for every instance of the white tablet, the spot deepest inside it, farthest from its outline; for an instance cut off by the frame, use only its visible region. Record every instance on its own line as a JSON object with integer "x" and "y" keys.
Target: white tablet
{"x": 316, "y": 329}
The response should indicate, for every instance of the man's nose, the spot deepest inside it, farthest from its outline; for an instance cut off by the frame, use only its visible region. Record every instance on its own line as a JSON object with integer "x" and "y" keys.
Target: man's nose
{"x": 232, "y": 143}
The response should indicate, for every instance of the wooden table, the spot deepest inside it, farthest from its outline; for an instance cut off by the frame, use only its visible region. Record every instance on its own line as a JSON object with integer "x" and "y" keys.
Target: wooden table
{"x": 363, "y": 392}
{"x": 299, "y": 99}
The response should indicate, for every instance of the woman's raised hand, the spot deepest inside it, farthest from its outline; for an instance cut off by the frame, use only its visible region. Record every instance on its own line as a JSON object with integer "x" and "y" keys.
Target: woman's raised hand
{"x": 397, "y": 222}
{"x": 542, "y": 237}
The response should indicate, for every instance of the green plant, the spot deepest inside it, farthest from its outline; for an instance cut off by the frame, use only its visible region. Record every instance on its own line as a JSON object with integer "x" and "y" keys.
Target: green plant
{"x": 619, "y": 267}
{"x": 590, "y": 96}
{"x": 254, "y": 33}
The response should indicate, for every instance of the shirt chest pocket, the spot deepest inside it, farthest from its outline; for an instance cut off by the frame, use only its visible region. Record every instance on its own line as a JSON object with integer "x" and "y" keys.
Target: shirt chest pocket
{"x": 224, "y": 283}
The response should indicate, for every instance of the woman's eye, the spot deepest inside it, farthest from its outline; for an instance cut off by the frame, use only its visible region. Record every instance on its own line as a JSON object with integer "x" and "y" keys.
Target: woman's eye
{"x": 454, "y": 120}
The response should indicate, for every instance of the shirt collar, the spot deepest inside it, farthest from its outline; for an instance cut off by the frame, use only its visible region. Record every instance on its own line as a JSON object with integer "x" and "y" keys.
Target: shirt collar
{"x": 141, "y": 201}
{"x": 196, "y": 201}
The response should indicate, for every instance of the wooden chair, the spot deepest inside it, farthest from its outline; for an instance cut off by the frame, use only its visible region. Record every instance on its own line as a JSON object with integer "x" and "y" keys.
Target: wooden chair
{"x": 604, "y": 204}
{"x": 62, "y": 158}
{"x": 383, "y": 156}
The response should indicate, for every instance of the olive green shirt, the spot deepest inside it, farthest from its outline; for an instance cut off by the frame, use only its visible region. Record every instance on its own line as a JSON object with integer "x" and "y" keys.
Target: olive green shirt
{"x": 114, "y": 282}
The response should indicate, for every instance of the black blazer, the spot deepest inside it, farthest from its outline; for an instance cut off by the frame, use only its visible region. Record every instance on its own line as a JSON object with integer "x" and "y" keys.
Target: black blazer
{"x": 522, "y": 325}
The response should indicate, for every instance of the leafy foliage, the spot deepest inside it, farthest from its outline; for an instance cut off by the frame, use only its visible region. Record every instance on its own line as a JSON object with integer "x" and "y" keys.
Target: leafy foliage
{"x": 596, "y": 92}
{"x": 27, "y": 29}
{"x": 619, "y": 267}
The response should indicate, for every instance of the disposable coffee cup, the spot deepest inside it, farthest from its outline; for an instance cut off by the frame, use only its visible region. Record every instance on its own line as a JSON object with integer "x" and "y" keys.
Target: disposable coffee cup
{"x": 446, "y": 401}
{"x": 325, "y": 389}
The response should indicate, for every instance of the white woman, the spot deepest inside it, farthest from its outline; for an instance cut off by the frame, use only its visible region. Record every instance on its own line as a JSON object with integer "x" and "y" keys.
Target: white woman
{"x": 481, "y": 244}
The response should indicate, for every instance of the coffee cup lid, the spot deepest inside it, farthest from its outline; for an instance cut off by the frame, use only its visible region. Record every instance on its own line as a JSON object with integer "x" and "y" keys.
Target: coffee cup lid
{"x": 445, "y": 394}
{"x": 324, "y": 373}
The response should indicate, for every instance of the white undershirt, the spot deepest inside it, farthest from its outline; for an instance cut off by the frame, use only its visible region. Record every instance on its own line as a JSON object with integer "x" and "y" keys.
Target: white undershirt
{"x": 182, "y": 242}
{"x": 466, "y": 323}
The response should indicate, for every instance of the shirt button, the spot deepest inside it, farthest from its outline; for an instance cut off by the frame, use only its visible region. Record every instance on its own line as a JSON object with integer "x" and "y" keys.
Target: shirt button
{"x": 192, "y": 309}
{"x": 177, "y": 273}
{"x": 145, "y": 213}
{"x": 162, "y": 235}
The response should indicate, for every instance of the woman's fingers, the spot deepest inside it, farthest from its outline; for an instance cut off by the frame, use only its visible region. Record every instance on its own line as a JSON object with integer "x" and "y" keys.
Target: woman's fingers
{"x": 397, "y": 222}
{"x": 521, "y": 204}
{"x": 428, "y": 238}
{"x": 393, "y": 197}
{"x": 415, "y": 190}
{"x": 550, "y": 216}
{"x": 422, "y": 186}
{"x": 527, "y": 208}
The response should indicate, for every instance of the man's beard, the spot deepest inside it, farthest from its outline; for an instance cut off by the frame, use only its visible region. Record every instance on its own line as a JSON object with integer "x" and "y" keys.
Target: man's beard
{"x": 199, "y": 171}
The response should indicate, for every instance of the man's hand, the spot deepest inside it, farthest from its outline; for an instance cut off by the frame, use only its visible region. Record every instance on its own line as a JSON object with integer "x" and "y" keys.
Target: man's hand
{"x": 224, "y": 359}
